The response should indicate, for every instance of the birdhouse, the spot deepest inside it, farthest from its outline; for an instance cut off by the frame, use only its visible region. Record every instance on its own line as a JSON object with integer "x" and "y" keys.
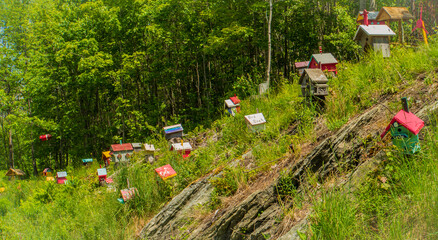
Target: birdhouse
{"x": 173, "y": 131}
{"x": 87, "y": 161}
{"x": 372, "y": 18}
{"x": 61, "y": 177}
{"x": 45, "y": 137}
{"x": 128, "y": 194}
{"x": 300, "y": 66}
{"x": 313, "y": 83}
{"x": 121, "y": 152}
{"x": 404, "y": 128}
{"x": 149, "y": 150}
{"x": 395, "y": 14}
{"x": 13, "y": 173}
{"x": 47, "y": 172}
{"x": 137, "y": 147}
{"x": 255, "y": 122}
{"x": 165, "y": 172}
{"x": 323, "y": 61}
{"x": 106, "y": 157}
{"x": 232, "y": 105}
{"x": 101, "y": 173}
{"x": 374, "y": 37}
{"x": 184, "y": 148}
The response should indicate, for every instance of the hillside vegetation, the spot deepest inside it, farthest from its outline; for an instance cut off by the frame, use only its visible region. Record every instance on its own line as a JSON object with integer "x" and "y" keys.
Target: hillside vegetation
{"x": 401, "y": 207}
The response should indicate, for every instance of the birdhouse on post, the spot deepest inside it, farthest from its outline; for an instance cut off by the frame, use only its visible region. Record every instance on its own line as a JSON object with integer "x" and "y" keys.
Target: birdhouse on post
{"x": 121, "y": 152}
{"x": 395, "y": 14}
{"x": 137, "y": 147}
{"x": 374, "y": 37}
{"x": 149, "y": 150}
{"x": 101, "y": 173}
{"x": 255, "y": 122}
{"x": 165, "y": 172}
{"x": 360, "y": 19}
{"x": 173, "y": 131}
{"x": 14, "y": 172}
{"x": 106, "y": 157}
{"x": 184, "y": 148}
{"x": 314, "y": 83}
{"x": 323, "y": 61}
{"x": 61, "y": 177}
{"x": 87, "y": 161}
{"x": 404, "y": 128}
{"x": 45, "y": 137}
{"x": 232, "y": 105}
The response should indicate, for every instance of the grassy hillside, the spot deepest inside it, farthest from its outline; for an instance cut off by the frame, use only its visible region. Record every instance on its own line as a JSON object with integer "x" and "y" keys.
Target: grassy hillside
{"x": 85, "y": 210}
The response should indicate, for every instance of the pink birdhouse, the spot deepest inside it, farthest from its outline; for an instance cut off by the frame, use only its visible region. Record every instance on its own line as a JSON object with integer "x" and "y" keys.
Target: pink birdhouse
{"x": 61, "y": 177}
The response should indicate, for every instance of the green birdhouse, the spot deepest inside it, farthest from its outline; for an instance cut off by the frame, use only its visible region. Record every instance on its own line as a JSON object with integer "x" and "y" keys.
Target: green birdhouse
{"x": 404, "y": 128}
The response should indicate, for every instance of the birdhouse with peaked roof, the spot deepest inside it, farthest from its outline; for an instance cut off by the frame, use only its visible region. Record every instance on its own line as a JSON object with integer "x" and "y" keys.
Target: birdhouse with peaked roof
{"x": 165, "y": 172}
{"x": 121, "y": 152}
{"x": 87, "y": 161}
{"x": 372, "y": 18}
{"x": 232, "y": 105}
{"x": 255, "y": 122}
{"x": 300, "y": 66}
{"x": 404, "y": 128}
{"x": 149, "y": 150}
{"x": 375, "y": 37}
{"x": 395, "y": 14}
{"x": 61, "y": 177}
{"x": 137, "y": 147}
{"x": 173, "y": 131}
{"x": 106, "y": 157}
{"x": 313, "y": 83}
{"x": 184, "y": 148}
{"x": 323, "y": 61}
{"x": 47, "y": 172}
{"x": 101, "y": 173}
{"x": 15, "y": 172}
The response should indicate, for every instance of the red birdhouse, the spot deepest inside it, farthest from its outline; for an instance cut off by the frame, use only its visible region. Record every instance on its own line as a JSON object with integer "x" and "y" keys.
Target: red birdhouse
{"x": 45, "y": 137}
{"x": 165, "y": 172}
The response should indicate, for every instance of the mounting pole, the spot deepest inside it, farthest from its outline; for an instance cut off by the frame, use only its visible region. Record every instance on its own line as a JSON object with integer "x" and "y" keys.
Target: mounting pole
{"x": 404, "y": 101}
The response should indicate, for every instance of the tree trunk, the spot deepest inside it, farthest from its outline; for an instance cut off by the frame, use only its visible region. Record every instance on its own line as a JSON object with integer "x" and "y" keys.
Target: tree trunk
{"x": 11, "y": 150}
{"x": 268, "y": 68}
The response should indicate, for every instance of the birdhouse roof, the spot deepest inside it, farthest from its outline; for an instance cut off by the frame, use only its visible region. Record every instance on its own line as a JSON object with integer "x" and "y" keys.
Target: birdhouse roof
{"x": 165, "y": 172}
{"x": 136, "y": 145}
{"x": 61, "y": 174}
{"x": 15, "y": 172}
{"x": 235, "y": 99}
{"x": 179, "y": 146}
{"x": 107, "y": 154}
{"x": 255, "y": 119}
{"x": 230, "y": 104}
{"x": 87, "y": 160}
{"x": 407, "y": 120}
{"x": 316, "y": 75}
{"x": 324, "y": 58}
{"x": 302, "y": 64}
{"x": 393, "y": 14}
{"x": 371, "y": 16}
{"x": 101, "y": 172}
{"x": 47, "y": 170}
{"x": 373, "y": 30}
{"x": 149, "y": 147}
{"x": 121, "y": 147}
{"x": 173, "y": 129}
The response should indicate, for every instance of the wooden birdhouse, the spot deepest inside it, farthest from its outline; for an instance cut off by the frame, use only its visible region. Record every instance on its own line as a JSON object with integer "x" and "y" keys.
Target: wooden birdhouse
{"x": 45, "y": 137}
{"x": 101, "y": 173}
{"x": 313, "y": 83}
{"x": 375, "y": 37}
{"x": 372, "y": 18}
{"x": 149, "y": 150}
{"x": 323, "y": 61}
{"x": 106, "y": 157}
{"x": 232, "y": 105}
{"x": 13, "y": 173}
{"x": 137, "y": 147}
{"x": 404, "y": 128}
{"x": 165, "y": 172}
{"x": 255, "y": 122}
{"x": 173, "y": 131}
{"x": 61, "y": 177}
{"x": 300, "y": 66}
{"x": 47, "y": 172}
{"x": 121, "y": 152}
{"x": 184, "y": 148}
{"x": 87, "y": 161}
{"x": 395, "y": 14}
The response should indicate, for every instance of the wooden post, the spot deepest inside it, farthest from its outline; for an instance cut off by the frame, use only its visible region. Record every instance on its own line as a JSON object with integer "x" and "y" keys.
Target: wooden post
{"x": 404, "y": 101}
{"x": 400, "y": 39}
